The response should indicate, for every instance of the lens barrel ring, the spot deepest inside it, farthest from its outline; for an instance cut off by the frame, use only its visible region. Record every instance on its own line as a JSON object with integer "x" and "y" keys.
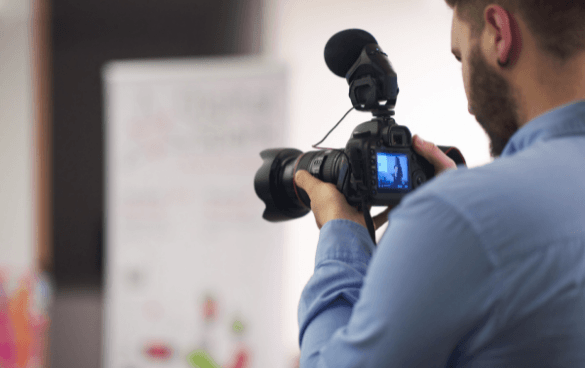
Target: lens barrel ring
{"x": 295, "y": 182}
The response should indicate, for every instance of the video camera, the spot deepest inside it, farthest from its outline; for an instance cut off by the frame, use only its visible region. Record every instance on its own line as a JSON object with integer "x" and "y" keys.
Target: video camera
{"x": 378, "y": 165}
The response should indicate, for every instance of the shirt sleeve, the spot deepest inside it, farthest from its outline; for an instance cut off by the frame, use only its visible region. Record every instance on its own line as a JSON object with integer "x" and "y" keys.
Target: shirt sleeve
{"x": 426, "y": 287}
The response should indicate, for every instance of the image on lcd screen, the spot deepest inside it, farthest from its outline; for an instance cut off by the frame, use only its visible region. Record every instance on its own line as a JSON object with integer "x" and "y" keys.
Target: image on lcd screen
{"x": 392, "y": 171}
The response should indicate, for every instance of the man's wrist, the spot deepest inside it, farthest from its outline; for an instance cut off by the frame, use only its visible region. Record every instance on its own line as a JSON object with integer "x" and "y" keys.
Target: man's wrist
{"x": 344, "y": 240}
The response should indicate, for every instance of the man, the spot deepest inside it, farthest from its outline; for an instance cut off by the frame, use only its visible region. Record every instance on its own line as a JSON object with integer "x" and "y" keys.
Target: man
{"x": 397, "y": 175}
{"x": 480, "y": 267}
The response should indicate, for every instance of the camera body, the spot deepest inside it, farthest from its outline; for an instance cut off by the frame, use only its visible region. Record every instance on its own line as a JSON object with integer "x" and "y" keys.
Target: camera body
{"x": 383, "y": 165}
{"x": 378, "y": 165}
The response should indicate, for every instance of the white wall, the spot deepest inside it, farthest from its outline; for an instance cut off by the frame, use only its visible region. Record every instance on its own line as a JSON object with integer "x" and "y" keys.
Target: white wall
{"x": 16, "y": 136}
{"x": 416, "y": 36}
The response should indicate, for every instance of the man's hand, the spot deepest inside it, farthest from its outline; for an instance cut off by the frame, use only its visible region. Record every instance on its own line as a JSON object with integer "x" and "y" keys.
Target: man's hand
{"x": 433, "y": 154}
{"x": 329, "y": 204}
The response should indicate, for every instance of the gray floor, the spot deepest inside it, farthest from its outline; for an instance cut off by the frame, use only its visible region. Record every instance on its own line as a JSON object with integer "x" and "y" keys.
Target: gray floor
{"x": 76, "y": 329}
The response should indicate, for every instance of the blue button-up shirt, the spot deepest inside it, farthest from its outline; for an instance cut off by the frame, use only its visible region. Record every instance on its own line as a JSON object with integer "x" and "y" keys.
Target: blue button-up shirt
{"x": 481, "y": 267}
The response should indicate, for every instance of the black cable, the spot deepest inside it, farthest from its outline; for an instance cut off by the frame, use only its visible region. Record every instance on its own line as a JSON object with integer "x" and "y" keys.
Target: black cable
{"x": 368, "y": 219}
{"x": 339, "y": 122}
{"x": 367, "y": 216}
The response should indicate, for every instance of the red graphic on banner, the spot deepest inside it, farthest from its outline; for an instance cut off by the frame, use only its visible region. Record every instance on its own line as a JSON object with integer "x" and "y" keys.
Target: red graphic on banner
{"x": 209, "y": 309}
{"x": 159, "y": 352}
{"x": 242, "y": 359}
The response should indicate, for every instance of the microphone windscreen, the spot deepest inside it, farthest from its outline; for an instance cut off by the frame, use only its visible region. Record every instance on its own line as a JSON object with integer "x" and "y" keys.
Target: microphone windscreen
{"x": 344, "y": 48}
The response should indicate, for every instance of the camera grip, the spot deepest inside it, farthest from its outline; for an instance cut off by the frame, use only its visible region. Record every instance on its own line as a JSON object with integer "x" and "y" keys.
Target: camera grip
{"x": 429, "y": 170}
{"x": 454, "y": 154}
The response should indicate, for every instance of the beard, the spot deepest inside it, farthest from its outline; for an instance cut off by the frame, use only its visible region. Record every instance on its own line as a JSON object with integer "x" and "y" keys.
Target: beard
{"x": 492, "y": 102}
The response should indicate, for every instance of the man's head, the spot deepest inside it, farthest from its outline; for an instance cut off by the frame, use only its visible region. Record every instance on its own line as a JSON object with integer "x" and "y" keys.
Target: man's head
{"x": 508, "y": 49}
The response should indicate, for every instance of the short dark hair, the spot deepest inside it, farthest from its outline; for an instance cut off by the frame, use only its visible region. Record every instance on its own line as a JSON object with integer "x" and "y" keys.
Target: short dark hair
{"x": 557, "y": 25}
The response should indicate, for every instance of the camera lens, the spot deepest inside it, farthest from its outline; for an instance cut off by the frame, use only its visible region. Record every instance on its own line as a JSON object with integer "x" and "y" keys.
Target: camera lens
{"x": 274, "y": 181}
{"x": 270, "y": 187}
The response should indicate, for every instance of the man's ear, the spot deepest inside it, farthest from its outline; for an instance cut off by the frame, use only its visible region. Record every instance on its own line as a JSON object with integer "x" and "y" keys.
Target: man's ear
{"x": 502, "y": 27}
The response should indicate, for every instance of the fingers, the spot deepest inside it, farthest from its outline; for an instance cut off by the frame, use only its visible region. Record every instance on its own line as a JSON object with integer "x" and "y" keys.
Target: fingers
{"x": 433, "y": 154}
{"x": 306, "y": 181}
{"x": 328, "y": 203}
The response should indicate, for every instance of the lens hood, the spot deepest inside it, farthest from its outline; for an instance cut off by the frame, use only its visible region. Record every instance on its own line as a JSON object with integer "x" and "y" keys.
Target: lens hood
{"x": 271, "y": 189}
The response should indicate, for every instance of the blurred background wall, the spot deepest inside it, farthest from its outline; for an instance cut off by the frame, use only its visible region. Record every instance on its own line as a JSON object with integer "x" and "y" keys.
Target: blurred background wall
{"x": 22, "y": 312}
{"x": 16, "y": 135}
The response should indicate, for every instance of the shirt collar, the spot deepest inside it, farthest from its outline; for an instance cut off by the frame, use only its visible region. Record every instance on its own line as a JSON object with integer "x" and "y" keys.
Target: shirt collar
{"x": 564, "y": 120}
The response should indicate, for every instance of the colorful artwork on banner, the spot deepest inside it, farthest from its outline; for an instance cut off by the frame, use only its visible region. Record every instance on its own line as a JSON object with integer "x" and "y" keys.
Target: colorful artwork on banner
{"x": 241, "y": 355}
{"x": 23, "y": 319}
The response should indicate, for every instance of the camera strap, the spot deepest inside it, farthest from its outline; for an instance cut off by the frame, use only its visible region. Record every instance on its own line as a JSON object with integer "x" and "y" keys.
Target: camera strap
{"x": 368, "y": 218}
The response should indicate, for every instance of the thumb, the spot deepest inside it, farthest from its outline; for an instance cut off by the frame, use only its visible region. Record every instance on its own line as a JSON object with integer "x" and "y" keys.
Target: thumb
{"x": 433, "y": 154}
{"x": 306, "y": 181}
